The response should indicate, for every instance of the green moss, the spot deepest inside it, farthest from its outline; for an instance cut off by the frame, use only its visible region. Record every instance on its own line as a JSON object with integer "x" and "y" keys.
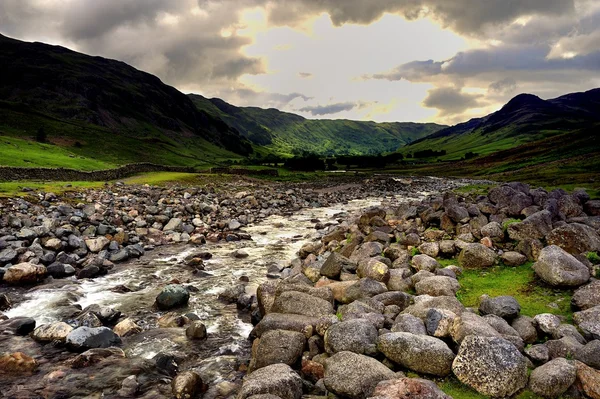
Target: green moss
{"x": 415, "y": 251}
{"x": 453, "y": 387}
{"x": 508, "y": 222}
{"x": 447, "y": 262}
{"x": 519, "y": 282}
{"x": 593, "y": 257}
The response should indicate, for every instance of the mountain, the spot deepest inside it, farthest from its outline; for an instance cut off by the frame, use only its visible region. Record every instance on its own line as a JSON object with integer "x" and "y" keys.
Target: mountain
{"x": 286, "y": 134}
{"x": 101, "y": 102}
{"x": 524, "y": 119}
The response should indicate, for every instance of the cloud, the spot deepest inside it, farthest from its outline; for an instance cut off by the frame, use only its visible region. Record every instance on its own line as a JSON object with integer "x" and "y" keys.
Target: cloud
{"x": 305, "y": 75}
{"x": 503, "y": 86}
{"x": 576, "y": 45}
{"x": 451, "y": 100}
{"x": 245, "y": 96}
{"x": 318, "y": 110}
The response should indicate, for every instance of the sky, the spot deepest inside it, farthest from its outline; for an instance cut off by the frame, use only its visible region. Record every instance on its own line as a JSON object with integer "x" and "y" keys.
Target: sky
{"x": 443, "y": 61}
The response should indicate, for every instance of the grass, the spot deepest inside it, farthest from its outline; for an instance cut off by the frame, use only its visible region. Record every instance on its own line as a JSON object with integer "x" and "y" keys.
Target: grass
{"x": 508, "y": 222}
{"x": 31, "y": 154}
{"x": 15, "y": 189}
{"x": 453, "y": 387}
{"x": 475, "y": 189}
{"x": 593, "y": 257}
{"x": 519, "y": 282}
{"x": 163, "y": 178}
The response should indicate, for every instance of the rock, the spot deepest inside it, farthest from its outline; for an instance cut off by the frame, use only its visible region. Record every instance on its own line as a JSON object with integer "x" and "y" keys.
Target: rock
{"x": 60, "y": 270}
{"x": 126, "y": 328}
{"x": 535, "y": 226}
{"x": 174, "y": 224}
{"x": 525, "y": 327}
{"x": 196, "y": 330}
{"x": 425, "y": 262}
{"x": 8, "y": 255}
{"x": 279, "y": 346}
{"x": 290, "y": 322}
{"x": 363, "y": 288}
{"x": 17, "y": 326}
{"x": 490, "y": 365}
{"x": 547, "y": 322}
{"x": 592, "y": 207}
{"x": 565, "y": 347}
{"x": 538, "y": 353}
{"x": 97, "y": 244}
{"x": 375, "y": 270}
{"x": 234, "y": 224}
{"x": 437, "y": 286}
{"x": 24, "y": 273}
{"x": 17, "y": 362}
{"x": 89, "y": 271}
{"x": 93, "y": 356}
{"x": 504, "y": 306}
{"x": 493, "y": 230}
{"x": 589, "y": 379}
{"x": 476, "y": 256}
{"x": 84, "y": 338}
{"x": 419, "y": 353}
{"x": 471, "y": 324}
{"x": 129, "y": 387}
{"x": 409, "y": 323}
{"x": 358, "y": 336}
{"x": 231, "y": 294}
{"x": 57, "y": 331}
{"x": 439, "y": 322}
{"x": 300, "y": 303}
{"x": 334, "y": 265}
{"x": 423, "y": 303}
{"x": 172, "y": 296}
{"x": 553, "y": 378}
{"x": 512, "y": 258}
{"x": 588, "y": 321}
{"x": 354, "y": 376}
{"x": 186, "y": 385}
{"x": 575, "y": 238}
{"x": 431, "y": 249}
{"x": 590, "y": 354}
{"x": 559, "y": 268}
{"x": 277, "y": 379}
{"x": 5, "y": 302}
{"x": 587, "y": 296}
{"x": 408, "y": 388}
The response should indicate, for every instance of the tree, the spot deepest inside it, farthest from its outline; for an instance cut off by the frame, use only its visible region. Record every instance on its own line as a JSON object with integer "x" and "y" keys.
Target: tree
{"x": 41, "y": 136}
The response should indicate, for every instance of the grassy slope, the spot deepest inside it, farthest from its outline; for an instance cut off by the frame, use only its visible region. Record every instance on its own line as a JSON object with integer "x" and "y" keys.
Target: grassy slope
{"x": 100, "y": 146}
{"x": 285, "y": 133}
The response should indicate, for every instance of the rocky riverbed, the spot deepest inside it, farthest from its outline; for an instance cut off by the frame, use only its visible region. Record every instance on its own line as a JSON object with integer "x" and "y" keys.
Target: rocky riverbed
{"x": 82, "y": 274}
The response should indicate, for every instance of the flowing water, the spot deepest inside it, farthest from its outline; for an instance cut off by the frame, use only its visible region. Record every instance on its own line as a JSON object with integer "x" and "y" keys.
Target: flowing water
{"x": 275, "y": 240}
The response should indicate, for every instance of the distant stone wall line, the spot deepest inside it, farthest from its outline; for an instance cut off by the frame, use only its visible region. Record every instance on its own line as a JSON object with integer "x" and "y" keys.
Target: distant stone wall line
{"x": 8, "y": 173}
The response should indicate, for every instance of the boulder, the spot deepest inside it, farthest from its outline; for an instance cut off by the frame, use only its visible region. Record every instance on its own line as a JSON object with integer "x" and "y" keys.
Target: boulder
{"x": 513, "y": 258}
{"x": 590, "y": 354}
{"x": 354, "y": 376}
{"x": 84, "y": 338}
{"x": 335, "y": 264}
{"x": 439, "y": 322}
{"x": 24, "y": 273}
{"x": 547, "y": 322}
{"x": 408, "y": 388}
{"x": 126, "y": 328}
{"x": 575, "y": 238}
{"x": 17, "y": 326}
{"x": 358, "y": 336}
{"x": 409, "y": 323}
{"x": 525, "y": 327}
{"x": 419, "y": 353}
{"x": 302, "y": 304}
{"x": 174, "y": 224}
{"x": 587, "y": 296}
{"x": 471, "y": 324}
{"x": 437, "y": 286}
{"x": 490, "y": 365}
{"x": 375, "y": 270}
{"x": 279, "y": 346}
{"x": 493, "y": 230}
{"x": 363, "y": 288}
{"x": 553, "y": 378}
{"x": 97, "y": 244}
{"x": 173, "y": 295}
{"x": 431, "y": 249}
{"x": 423, "y": 303}
{"x": 290, "y": 322}
{"x": 277, "y": 379}
{"x": 476, "y": 256}
{"x": 17, "y": 362}
{"x": 425, "y": 262}
{"x": 588, "y": 321}
{"x": 589, "y": 380}
{"x": 504, "y": 306}
{"x": 558, "y": 268}
{"x": 57, "y": 331}
{"x": 186, "y": 385}
{"x": 535, "y": 226}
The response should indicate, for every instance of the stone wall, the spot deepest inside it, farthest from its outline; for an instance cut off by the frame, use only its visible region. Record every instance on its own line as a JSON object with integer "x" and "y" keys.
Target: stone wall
{"x": 61, "y": 174}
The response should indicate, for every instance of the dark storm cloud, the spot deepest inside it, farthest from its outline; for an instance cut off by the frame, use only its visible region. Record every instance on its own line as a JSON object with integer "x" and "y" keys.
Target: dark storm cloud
{"x": 318, "y": 110}
{"x": 451, "y": 100}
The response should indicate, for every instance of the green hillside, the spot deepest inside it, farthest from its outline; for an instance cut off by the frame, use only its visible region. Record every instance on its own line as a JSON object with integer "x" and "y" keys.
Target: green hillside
{"x": 524, "y": 119}
{"x": 287, "y": 134}
{"x": 101, "y": 109}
